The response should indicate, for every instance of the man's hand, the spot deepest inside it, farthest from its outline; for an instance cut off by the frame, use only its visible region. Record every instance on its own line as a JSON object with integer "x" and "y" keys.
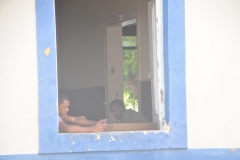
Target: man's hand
{"x": 100, "y": 127}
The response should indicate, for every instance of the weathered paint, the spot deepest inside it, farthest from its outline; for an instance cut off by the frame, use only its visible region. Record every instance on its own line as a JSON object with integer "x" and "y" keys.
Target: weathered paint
{"x": 50, "y": 141}
{"x": 165, "y": 56}
{"x": 184, "y": 154}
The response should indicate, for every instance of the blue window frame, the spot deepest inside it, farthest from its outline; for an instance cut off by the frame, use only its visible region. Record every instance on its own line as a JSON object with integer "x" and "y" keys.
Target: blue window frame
{"x": 50, "y": 141}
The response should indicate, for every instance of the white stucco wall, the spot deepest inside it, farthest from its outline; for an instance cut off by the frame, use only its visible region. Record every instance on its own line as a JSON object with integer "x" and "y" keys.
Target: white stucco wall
{"x": 213, "y": 73}
{"x": 18, "y": 78}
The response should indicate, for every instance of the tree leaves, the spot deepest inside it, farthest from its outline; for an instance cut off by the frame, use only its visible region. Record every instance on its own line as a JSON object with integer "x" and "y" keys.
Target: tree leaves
{"x": 130, "y": 73}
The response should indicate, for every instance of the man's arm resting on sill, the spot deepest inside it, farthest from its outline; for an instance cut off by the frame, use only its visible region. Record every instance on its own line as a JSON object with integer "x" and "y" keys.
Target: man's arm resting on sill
{"x": 99, "y": 127}
{"x": 81, "y": 120}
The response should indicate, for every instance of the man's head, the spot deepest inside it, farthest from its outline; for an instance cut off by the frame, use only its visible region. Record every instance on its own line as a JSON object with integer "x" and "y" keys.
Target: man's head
{"x": 63, "y": 104}
{"x": 117, "y": 108}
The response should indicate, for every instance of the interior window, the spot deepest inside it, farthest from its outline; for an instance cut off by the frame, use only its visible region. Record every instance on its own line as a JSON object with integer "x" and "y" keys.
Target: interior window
{"x": 130, "y": 67}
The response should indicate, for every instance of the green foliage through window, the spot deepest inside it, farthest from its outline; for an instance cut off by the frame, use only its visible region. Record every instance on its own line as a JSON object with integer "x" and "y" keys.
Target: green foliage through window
{"x": 130, "y": 72}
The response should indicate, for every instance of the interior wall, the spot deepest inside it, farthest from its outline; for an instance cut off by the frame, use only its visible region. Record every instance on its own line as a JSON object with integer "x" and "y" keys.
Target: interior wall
{"x": 213, "y": 73}
{"x": 18, "y": 78}
{"x": 143, "y": 40}
{"x": 80, "y": 44}
{"x": 81, "y": 40}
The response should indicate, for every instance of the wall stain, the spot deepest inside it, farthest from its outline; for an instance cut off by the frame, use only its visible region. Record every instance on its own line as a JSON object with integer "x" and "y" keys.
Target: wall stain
{"x": 47, "y": 51}
{"x": 112, "y": 70}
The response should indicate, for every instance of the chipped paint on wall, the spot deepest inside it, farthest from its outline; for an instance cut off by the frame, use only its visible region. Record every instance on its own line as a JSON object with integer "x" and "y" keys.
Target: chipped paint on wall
{"x": 98, "y": 137}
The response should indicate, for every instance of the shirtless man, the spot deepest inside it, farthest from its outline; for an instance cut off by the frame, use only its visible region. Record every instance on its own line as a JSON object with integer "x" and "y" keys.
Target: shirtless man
{"x": 69, "y": 124}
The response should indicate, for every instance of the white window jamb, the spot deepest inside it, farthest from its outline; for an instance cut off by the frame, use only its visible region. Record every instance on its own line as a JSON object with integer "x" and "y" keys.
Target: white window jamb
{"x": 155, "y": 18}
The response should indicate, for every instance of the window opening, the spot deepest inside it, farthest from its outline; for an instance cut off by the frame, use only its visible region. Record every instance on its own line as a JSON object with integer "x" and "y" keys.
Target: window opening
{"x": 103, "y": 54}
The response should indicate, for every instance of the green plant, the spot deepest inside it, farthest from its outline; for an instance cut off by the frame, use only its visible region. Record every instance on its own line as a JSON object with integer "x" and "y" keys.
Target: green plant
{"x": 130, "y": 73}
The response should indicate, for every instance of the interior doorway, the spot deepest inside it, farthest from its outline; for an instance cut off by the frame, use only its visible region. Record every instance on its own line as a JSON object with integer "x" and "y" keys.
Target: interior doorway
{"x": 122, "y": 61}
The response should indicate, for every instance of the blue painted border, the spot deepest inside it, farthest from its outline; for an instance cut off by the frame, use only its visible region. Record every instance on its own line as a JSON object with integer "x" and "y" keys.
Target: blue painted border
{"x": 165, "y": 51}
{"x": 196, "y": 154}
{"x": 52, "y": 142}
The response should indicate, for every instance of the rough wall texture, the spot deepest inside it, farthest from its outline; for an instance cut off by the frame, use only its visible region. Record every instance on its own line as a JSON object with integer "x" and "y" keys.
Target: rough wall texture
{"x": 213, "y": 73}
{"x": 18, "y": 78}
